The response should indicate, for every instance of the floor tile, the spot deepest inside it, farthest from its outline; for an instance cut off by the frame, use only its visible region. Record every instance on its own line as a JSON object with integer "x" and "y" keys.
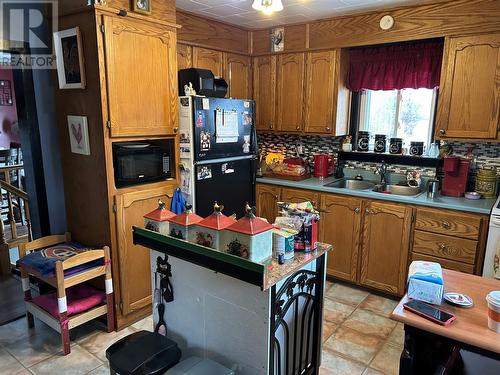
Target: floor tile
{"x": 36, "y": 347}
{"x": 370, "y": 371}
{"x": 370, "y": 323}
{"x": 328, "y": 329}
{"x": 387, "y": 360}
{"x": 78, "y": 362}
{"x": 80, "y": 333}
{"x": 99, "y": 342}
{"x": 333, "y": 364}
{"x": 18, "y": 329}
{"x": 336, "y": 312}
{"x": 9, "y": 365}
{"x": 380, "y": 305}
{"x": 145, "y": 324}
{"x": 353, "y": 344}
{"x": 398, "y": 335}
{"x": 101, "y": 370}
{"x": 346, "y": 294}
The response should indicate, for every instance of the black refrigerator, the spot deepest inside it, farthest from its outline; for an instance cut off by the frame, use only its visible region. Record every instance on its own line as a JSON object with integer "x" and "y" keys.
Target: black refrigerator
{"x": 218, "y": 153}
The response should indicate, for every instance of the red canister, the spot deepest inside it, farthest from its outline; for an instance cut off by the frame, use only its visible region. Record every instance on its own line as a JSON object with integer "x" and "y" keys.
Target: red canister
{"x": 321, "y": 164}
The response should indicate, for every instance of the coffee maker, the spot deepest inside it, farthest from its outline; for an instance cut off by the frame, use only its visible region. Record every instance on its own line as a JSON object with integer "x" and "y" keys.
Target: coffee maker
{"x": 456, "y": 172}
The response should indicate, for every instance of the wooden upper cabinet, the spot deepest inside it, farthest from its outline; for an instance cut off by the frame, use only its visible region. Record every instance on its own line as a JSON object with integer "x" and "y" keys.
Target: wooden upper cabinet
{"x": 267, "y": 198}
{"x": 385, "y": 246}
{"x": 290, "y": 92}
{"x": 133, "y": 261}
{"x": 264, "y": 91}
{"x": 184, "y": 56}
{"x": 210, "y": 59}
{"x": 469, "y": 100}
{"x": 141, "y": 74}
{"x": 320, "y": 87}
{"x": 238, "y": 74}
{"x": 340, "y": 226}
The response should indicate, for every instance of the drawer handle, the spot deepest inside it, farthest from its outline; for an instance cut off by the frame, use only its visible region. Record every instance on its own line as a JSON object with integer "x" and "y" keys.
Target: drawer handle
{"x": 444, "y": 248}
{"x": 446, "y": 225}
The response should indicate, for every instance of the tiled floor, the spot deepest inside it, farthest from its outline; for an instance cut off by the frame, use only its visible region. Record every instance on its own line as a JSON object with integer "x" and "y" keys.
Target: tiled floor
{"x": 359, "y": 338}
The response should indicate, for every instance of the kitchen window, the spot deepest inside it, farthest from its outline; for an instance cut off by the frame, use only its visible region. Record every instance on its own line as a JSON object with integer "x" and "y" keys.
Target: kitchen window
{"x": 404, "y": 113}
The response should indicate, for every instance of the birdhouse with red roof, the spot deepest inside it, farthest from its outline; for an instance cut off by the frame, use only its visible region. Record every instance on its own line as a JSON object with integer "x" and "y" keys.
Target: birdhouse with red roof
{"x": 208, "y": 232}
{"x": 157, "y": 220}
{"x": 250, "y": 238}
{"x": 183, "y": 224}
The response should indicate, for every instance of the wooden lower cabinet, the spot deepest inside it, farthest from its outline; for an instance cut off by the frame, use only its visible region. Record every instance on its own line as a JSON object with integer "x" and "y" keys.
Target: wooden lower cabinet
{"x": 340, "y": 226}
{"x": 267, "y": 198}
{"x": 385, "y": 246}
{"x": 133, "y": 261}
{"x": 298, "y": 196}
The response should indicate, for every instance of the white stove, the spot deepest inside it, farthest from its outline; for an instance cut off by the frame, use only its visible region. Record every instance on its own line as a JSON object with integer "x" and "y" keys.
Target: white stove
{"x": 491, "y": 267}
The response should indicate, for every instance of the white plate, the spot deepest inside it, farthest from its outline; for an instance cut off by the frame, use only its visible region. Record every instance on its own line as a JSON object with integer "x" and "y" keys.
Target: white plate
{"x": 458, "y": 299}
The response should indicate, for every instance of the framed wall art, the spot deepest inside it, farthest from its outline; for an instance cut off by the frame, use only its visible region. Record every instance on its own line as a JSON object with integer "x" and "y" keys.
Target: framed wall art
{"x": 79, "y": 134}
{"x": 69, "y": 59}
{"x": 142, "y": 6}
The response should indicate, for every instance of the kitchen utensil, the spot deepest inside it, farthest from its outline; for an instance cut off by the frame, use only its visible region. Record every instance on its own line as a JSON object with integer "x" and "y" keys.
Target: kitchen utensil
{"x": 432, "y": 188}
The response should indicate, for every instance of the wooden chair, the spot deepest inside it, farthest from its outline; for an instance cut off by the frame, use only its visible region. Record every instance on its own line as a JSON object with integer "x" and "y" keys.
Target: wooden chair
{"x": 64, "y": 322}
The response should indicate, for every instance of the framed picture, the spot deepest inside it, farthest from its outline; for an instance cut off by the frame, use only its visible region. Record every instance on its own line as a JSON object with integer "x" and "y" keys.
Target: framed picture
{"x": 69, "y": 59}
{"x": 142, "y": 6}
{"x": 79, "y": 135}
{"x": 277, "y": 39}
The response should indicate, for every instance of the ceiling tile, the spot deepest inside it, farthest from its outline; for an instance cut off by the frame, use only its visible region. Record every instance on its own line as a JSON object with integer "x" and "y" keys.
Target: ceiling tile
{"x": 240, "y": 12}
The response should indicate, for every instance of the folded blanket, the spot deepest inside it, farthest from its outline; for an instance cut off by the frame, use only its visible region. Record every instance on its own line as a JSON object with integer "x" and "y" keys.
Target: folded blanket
{"x": 44, "y": 260}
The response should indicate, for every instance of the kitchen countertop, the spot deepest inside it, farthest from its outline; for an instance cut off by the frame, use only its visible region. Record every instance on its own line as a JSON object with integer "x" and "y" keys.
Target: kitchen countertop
{"x": 481, "y": 206}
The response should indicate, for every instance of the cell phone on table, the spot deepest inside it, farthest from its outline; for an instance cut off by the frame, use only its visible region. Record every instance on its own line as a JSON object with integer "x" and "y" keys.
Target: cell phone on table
{"x": 429, "y": 312}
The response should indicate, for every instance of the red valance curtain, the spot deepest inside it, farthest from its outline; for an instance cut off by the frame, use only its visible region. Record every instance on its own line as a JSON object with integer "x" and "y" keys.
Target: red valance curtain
{"x": 397, "y": 66}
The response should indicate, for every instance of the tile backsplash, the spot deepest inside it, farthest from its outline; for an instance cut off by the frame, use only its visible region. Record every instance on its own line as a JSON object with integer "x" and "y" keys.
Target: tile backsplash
{"x": 487, "y": 153}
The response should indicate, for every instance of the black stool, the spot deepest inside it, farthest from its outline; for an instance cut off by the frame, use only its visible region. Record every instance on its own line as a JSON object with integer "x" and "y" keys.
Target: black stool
{"x": 143, "y": 353}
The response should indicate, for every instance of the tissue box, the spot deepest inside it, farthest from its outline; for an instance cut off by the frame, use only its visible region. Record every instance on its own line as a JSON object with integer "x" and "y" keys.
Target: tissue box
{"x": 425, "y": 282}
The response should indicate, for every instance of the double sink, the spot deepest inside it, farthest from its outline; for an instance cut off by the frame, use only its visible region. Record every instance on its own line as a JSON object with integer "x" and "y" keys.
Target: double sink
{"x": 352, "y": 184}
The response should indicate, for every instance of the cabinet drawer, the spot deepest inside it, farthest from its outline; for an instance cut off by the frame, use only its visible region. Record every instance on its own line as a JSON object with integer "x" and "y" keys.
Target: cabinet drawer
{"x": 445, "y": 263}
{"x": 446, "y": 222}
{"x": 453, "y": 248}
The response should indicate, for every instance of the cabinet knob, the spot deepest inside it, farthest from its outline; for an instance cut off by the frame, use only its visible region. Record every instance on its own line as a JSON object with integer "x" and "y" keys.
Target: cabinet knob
{"x": 357, "y": 210}
{"x": 328, "y": 129}
{"x": 442, "y": 131}
{"x": 176, "y": 129}
{"x": 271, "y": 126}
{"x": 446, "y": 225}
{"x": 444, "y": 247}
{"x": 367, "y": 211}
{"x": 297, "y": 127}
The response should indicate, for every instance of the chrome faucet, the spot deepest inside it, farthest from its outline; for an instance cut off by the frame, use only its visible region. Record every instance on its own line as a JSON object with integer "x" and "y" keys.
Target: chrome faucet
{"x": 382, "y": 171}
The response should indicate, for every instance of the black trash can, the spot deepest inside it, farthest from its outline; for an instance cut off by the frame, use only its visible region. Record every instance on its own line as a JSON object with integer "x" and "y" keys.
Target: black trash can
{"x": 143, "y": 353}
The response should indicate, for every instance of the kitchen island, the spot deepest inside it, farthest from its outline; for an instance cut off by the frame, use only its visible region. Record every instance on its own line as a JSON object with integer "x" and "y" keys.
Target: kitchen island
{"x": 250, "y": 317}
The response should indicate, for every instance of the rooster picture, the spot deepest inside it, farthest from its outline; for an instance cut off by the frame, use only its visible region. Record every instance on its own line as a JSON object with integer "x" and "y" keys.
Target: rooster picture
{"x": 76, "y": 130}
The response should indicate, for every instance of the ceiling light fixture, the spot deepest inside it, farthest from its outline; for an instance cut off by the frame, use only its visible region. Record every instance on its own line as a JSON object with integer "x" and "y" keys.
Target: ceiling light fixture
{"x": 268, "y": 6}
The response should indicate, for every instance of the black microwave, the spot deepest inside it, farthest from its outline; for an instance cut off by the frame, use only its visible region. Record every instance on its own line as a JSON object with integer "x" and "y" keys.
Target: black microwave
{"x": 141, "y": 162}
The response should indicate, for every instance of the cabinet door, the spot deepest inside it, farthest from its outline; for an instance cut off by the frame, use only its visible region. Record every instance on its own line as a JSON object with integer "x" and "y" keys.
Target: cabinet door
{"x": 133, "y": 260}
{"x": 469, "y": 101}
{"x": 142, "y": 92}
{"x": 290, "y": 91}
{"x": 320, "y": 105}
{"x": 298, "y": 196}
{"x": 385, "y": 246}
{"x": 340, "y": 226}
{"x": 264, "y": 91}
{"x": 237, "y": 72}
{"x": 267, "y": 198}
{"x": 184, "y": 56}
{"x": 208, "y": 59}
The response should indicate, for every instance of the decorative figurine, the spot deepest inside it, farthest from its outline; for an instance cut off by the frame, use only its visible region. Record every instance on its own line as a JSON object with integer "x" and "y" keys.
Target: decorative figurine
{"x": 189, "y": 90}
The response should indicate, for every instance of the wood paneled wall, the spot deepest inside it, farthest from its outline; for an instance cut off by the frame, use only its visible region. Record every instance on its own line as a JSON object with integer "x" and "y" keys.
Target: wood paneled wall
{"x": 84, "y": 176}
{"x": 161, "y": 10}
{"x": 203, "y": 32}
{"x": 456, "y": 17}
